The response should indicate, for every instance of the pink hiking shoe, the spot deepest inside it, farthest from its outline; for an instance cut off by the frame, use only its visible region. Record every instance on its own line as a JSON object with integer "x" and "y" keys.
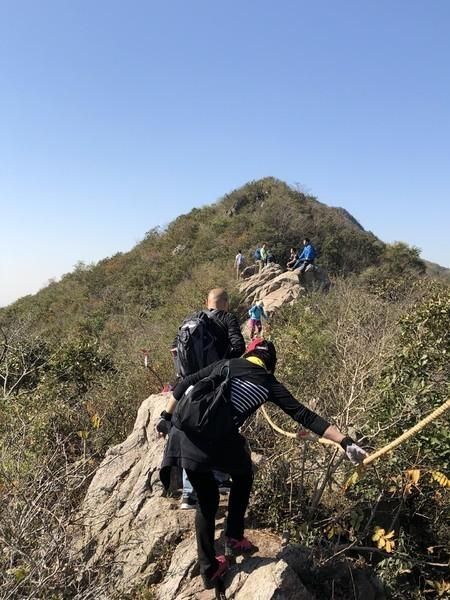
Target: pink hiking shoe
{"x": 211, "y": 581}
{"x": 240, "y": 547}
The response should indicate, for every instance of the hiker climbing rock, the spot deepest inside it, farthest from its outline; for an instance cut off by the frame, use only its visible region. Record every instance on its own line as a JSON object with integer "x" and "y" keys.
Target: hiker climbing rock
{"x": 306, "y": 257}
{"x": 256, "y": 314}
{"x": 239, "y": 263}
{"x": 203, "y": 419}
{"x": 202, "y": 339}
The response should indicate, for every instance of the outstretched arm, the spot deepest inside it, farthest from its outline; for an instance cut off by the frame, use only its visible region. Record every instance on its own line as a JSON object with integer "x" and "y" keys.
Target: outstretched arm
{"x": 300, "y": 413}
{"x": 332, "y": 433}
{"x": 282, "y": 397}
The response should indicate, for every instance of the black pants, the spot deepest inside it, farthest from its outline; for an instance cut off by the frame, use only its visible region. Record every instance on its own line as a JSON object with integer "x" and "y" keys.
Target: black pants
{"x": 207, "y": 492}
{"x": 302, "y": 264}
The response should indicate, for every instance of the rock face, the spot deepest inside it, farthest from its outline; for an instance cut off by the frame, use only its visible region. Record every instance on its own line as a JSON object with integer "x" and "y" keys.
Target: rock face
{"x": 127, "y": 524}
{"x": 249, "y": 271}
{"x": 264, "y": 576}
{"x": 178, "y": 249}
{"x": 125, "y": 520}
{"x": 275, "y": 287}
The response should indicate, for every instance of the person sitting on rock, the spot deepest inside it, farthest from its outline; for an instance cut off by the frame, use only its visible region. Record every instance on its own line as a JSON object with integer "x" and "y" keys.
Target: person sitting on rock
{"x": 292, "y": 258}
{"x": 306, "y": 257}
{"x": 251, "y": 383}
{"x": 256, "y": 313}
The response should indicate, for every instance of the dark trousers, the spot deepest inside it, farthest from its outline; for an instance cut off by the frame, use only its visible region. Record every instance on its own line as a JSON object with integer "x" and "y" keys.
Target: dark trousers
{"x": 207, "y": 492}
{"x": 302, "y": 264}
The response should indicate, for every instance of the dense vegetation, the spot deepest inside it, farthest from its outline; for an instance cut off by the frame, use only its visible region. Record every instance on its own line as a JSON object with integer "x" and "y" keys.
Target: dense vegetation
{"x": 372, "y": 355}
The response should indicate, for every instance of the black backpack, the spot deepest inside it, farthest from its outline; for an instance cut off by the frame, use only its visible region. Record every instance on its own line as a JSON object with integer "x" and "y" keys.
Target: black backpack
{"x": 205, "y": 409}
{"x": 197, "y": 342}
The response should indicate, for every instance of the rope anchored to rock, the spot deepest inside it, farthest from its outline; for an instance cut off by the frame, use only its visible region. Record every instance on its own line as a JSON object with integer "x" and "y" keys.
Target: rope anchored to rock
{"x": 378, "y": 453}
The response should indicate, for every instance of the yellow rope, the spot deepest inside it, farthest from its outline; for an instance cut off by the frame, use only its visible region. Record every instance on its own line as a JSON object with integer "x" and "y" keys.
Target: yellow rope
{"x": 307, "y": 436}
{"x": 378, "y": 453}
{"x": 405, "y": 436}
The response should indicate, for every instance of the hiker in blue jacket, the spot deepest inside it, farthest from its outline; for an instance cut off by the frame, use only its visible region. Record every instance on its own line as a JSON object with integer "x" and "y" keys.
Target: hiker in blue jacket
{"x": 256, "y": 312}
{"x": 306, "y": 257}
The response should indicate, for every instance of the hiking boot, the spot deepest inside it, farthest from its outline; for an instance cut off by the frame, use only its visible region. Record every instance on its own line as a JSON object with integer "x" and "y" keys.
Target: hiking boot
{"x": 210, "y": 580}
{"x": 188, "y": 503}
{"x": 225, "y": 487}
{"x": 240, "y": 547}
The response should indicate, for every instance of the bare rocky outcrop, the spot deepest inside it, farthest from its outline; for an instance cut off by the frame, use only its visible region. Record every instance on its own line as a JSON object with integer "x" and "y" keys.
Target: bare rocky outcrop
{"x": 276, "y": 288}
{"x": 265, "y": 576}
{"x": 315, "y": 278}
{"x": 249, "y": 271}
{"x": 125, "y": 520}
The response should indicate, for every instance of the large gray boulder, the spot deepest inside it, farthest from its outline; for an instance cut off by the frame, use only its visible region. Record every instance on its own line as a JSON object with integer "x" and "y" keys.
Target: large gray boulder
{"x": 125, "y": 518}
{"x": 264, "y": 576}
{"x": 273, "y": 286}
{"x": 276, "y": 287}
{"x": 249, "y": 271}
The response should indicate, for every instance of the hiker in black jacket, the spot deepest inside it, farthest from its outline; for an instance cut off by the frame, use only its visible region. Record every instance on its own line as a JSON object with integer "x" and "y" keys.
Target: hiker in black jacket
{"x": 252, "y": 382}
{"x": 228, "y": 343}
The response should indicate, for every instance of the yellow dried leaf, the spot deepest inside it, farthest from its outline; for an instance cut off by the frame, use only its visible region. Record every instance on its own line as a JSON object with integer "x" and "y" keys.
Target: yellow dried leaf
{"x": 332, "y": 530}
{"x": 441, "y": 587}
{"x": 441, "y": 478}
{"x": 354, "y": 477}
{"x": 96, "y": 421}
{"x": 383, "y": 539}
{"x": 413, "y": 475}
{"x": 379, "y": 532}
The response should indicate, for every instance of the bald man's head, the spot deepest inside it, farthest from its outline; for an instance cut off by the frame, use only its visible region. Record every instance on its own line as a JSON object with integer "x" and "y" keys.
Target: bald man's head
{"x": 218, "y": 299}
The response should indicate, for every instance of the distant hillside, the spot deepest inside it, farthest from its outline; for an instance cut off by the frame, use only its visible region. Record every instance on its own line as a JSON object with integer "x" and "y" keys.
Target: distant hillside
{"x": 143, "y": 293}
{"x": 144, "y": 279}
{"x": 435, "y": 270}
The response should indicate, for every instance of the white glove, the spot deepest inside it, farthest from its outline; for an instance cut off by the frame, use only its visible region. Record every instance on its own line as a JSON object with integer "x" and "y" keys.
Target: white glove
{"x": 354, "y": 453}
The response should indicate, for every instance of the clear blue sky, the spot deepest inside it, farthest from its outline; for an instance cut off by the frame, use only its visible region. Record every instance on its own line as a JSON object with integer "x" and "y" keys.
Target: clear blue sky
{"x": 118, "y": 116}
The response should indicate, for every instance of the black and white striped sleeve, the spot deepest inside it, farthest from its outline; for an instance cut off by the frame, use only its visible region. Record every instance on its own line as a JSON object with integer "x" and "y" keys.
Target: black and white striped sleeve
{"x": 282, "y": 397}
